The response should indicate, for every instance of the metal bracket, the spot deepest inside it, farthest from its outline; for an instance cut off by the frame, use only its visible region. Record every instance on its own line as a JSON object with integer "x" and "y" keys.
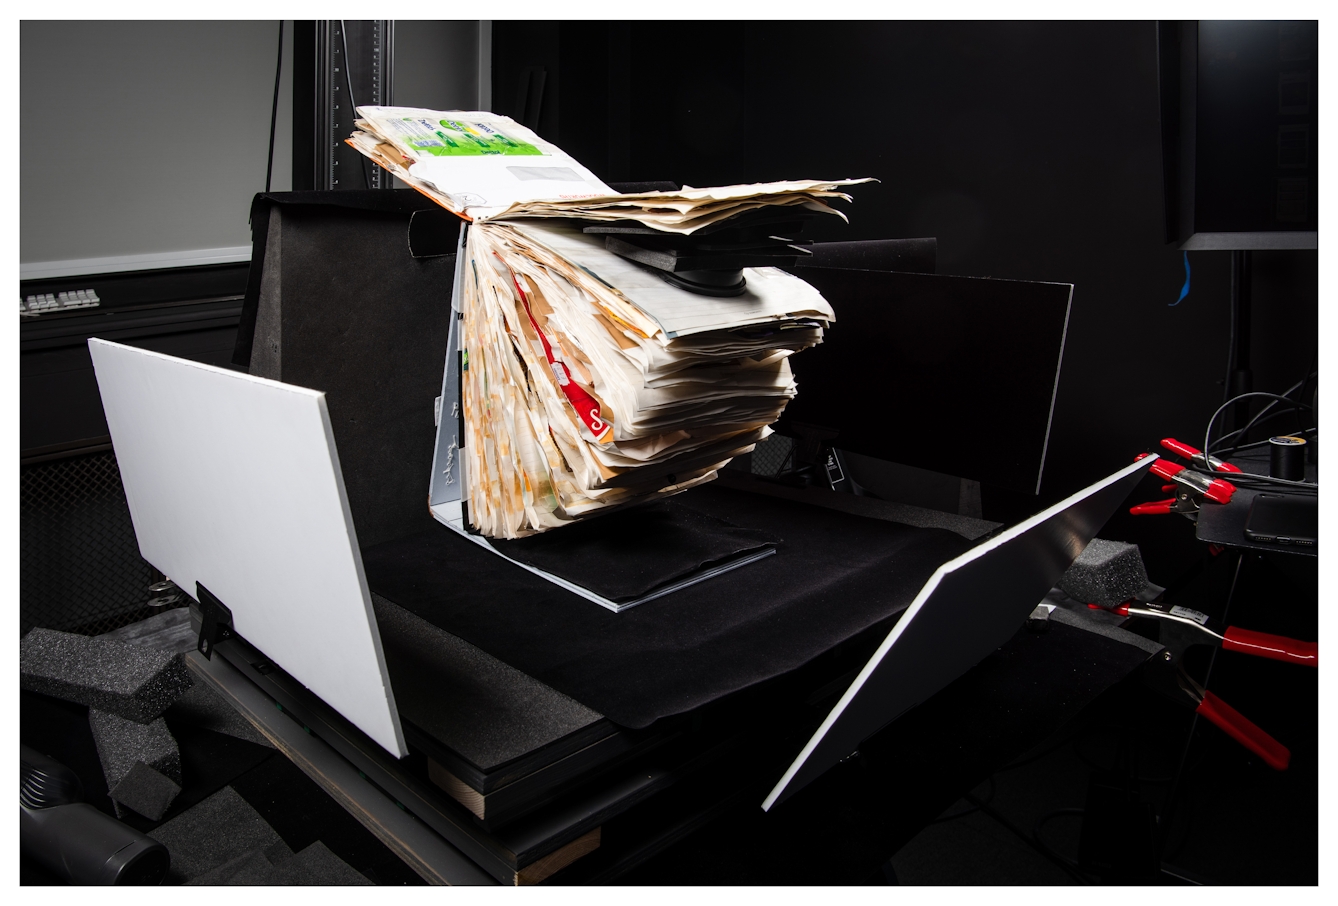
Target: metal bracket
{"x": 165, "y": 594}
{"x": 215, "y": 621}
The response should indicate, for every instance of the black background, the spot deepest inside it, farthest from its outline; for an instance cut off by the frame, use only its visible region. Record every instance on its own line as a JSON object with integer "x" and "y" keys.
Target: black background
{"x": 1031, "y": 150}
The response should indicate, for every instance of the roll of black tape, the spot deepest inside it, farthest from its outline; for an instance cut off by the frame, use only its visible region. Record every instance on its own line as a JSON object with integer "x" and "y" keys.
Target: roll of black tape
{"x": 1287, "y": 457}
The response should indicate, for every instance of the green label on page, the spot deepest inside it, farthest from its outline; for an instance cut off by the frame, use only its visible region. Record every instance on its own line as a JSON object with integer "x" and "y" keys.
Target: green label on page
{"x": 459, "y": 138}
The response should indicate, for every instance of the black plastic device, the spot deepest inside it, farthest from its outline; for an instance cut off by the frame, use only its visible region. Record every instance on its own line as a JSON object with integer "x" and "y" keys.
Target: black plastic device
{"x": 1283, "y": 519}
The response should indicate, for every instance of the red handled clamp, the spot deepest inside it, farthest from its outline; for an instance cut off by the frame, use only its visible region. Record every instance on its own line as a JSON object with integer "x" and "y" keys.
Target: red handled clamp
{"x": 1191, "y": 488}
{"x": 1180, "y": 628}
{"x": 1236, "y": 725}
{"x": 1181, "y": 503}
{"x": 1215, "y": 489}
{"x": 1208, "y": 463}
{"x": 1183, "y": 628}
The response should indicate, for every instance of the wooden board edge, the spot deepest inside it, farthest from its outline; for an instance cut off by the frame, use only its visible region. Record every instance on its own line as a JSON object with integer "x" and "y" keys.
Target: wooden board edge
{"x": 550, "y": 864}
{"x": 457, "y": 789}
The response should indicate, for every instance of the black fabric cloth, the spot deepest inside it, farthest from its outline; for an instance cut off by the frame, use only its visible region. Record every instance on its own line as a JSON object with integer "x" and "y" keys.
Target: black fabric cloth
{"x": 395, "y": 202}
{"x": 834, "y": 576}
{"x": 625, "y": 555}
{"x": 346, "y": 309}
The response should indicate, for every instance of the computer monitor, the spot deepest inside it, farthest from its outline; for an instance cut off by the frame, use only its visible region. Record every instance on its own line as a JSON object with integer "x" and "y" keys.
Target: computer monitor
{"x": 955, "y": 375}
{"x": 1240, "y": 137}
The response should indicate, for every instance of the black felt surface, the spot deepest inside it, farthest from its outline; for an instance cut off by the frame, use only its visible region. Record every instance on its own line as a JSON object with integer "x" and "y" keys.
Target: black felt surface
{"x": 346, "y": 309}
{"x": 482, "y": 709}
{"x": 834, "y": 575}
{"x": 625, "y": 555}
{"x": 400, "y": 201}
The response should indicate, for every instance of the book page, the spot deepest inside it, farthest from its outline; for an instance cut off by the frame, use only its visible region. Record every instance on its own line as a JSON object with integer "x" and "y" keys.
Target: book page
{"x": 771, "y": 293}
{"x": 481, "y": 162}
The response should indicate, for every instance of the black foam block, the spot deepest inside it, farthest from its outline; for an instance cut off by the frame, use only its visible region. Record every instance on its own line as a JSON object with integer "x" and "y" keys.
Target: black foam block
{"x": 145, "y": 791}
{"x": 1105, "y": 573}
{"x": 131, "y": 681}
{"x": 317, "y": 866}
{"x": 214, "y": 832}
{"x": 248, "y": 870}
{"x": 141, "y": 762}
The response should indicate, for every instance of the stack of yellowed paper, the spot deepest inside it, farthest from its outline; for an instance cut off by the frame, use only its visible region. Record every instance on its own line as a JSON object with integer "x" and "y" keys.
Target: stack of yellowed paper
{"x": 488, "y": 167}
{"x": 589, "y": 383}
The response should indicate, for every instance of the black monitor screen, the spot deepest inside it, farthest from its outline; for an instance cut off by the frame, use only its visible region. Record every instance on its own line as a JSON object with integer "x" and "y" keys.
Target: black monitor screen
{"x": 952, "y": 374}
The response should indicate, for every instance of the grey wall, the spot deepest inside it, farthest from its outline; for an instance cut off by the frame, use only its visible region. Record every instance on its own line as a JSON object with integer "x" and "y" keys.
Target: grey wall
{"x": 437, "y": 64}
{"x": 142, "y": 138}
{"x": 442, "y": 66}
{"x": 149, "y": 139}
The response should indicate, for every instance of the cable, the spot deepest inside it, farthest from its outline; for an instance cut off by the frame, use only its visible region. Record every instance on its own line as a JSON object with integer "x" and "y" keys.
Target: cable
{"x": 1259, "y": 419}
{"x": 1263, "y": 482}
{"x": 353, "y": 104}
{"x": 1286, "y": 393}
{"x": 1208, "y": 432}
{"x": 1296, "y": 407}
{"x": 1184, "y": 290}
{"x": 274, "y": 109}
{"x": 1304, "y": 432}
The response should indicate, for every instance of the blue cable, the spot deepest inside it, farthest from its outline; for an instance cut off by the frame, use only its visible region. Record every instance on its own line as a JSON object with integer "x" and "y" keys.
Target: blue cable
{"x": 1184, "y": 290}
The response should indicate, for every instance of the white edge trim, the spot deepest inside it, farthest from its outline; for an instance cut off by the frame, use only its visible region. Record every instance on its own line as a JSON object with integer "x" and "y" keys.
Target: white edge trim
{"x": 925, "y": 592}
{"x": 78, "y": 267}
{"x": 1054, "y": 391}
{"x": 401, "y": 748}
{"x": 202, "y": 366}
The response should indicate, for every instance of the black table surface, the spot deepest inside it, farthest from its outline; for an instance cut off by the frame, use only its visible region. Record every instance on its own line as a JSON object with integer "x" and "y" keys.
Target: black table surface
{"x": 844, "y": 825}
